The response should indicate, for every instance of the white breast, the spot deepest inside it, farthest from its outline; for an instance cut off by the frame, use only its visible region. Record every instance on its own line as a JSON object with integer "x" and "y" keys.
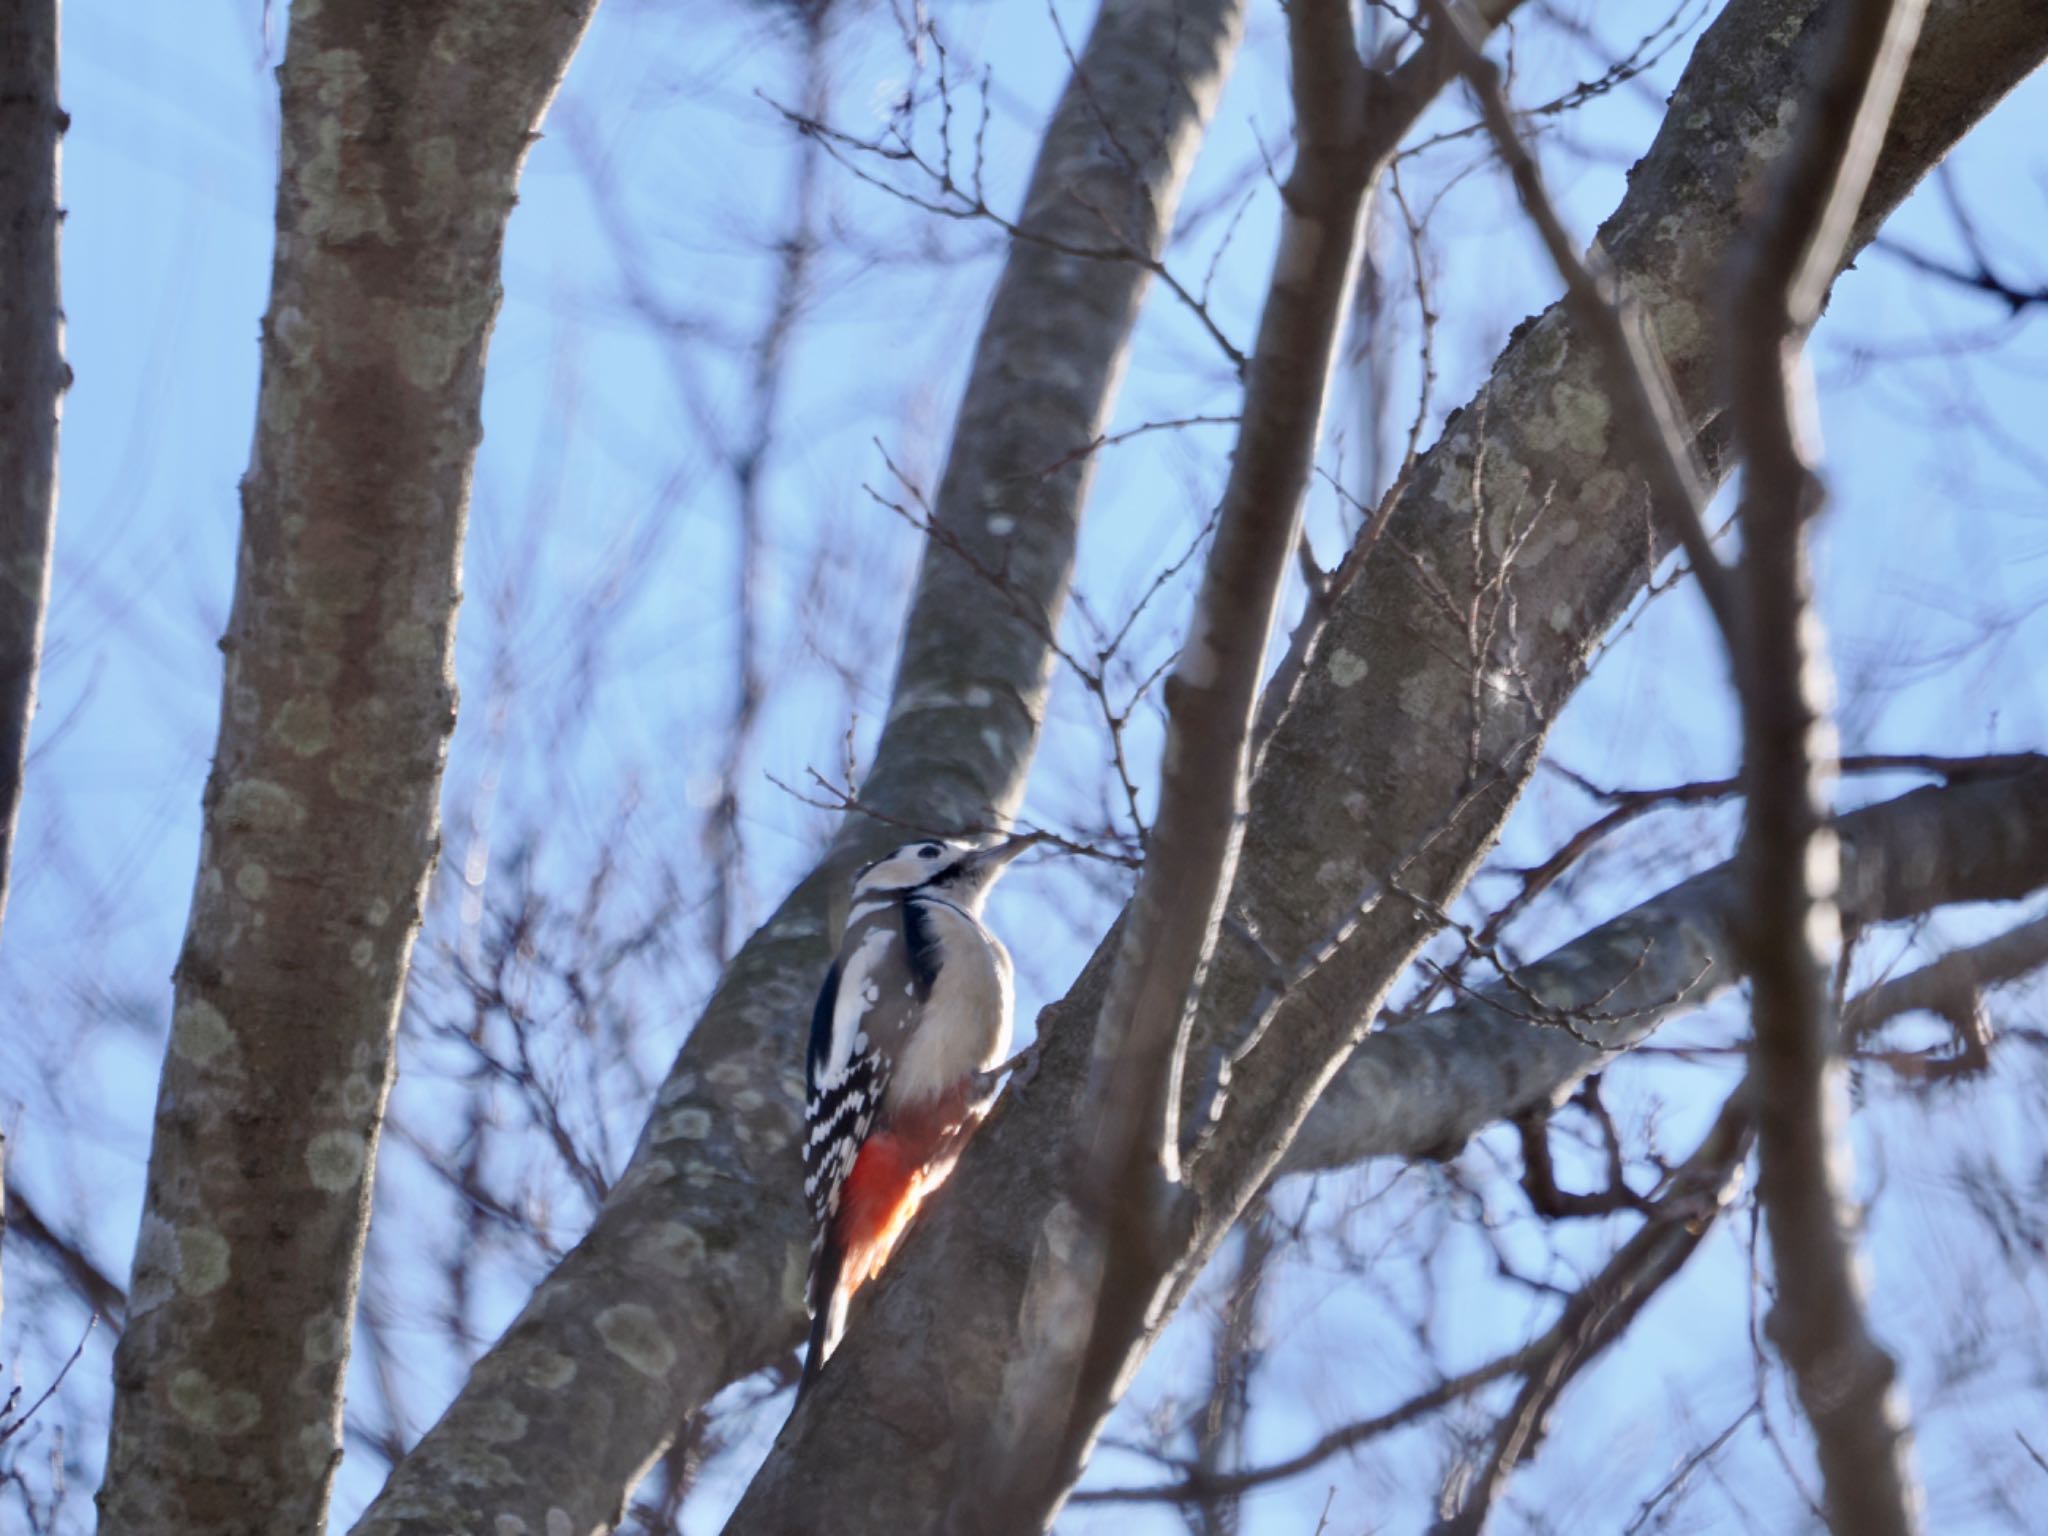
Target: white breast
{"x": 965, "y": 1024}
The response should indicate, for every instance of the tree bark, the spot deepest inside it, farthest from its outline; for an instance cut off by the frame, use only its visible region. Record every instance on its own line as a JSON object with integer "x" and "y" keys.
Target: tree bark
{"x": 1427, "y": 1087}
{"x": 1402, "y": 753}
{"x": 1790, "y": 933}
{"x": 692, "y": 1275}
{"x": 33, "y": 377}
{"x": 403, "y": 131}
{"x": 1093, "y": 1262}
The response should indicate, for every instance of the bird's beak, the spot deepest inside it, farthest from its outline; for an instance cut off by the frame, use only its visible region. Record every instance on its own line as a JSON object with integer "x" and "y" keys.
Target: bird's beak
{"x": 994, "y": 858}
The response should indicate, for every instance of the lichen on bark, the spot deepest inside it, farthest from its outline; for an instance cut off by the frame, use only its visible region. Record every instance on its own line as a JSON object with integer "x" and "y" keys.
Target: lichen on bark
{"x": 403, "y": 130}
{"x": 1433, "y": 762}
{"x": 966, "y": 707}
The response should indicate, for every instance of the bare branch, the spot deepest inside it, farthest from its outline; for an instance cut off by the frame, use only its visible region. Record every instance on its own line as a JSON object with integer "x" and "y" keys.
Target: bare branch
{"x": 834, "y": 797}
{"x": 1602, "y": 1310}
{"x": 1980, "y": 280}
{"x": 1539, "y": 1172}
{"x": 1676, "y": 1483}
{"x": 13, "y": 1427}
{"x": 94, "y": 1286}
{"x": 768, "y": 366}
{"x": 1101, "y": 1251}
{"x": 1335, "y": 1443}
{"x": 1846, "y": 1381}
{"x": 706, "y": 1271}
{"x": 1637, "y": 380}
{"x": 1593, "y": 1318}
{"x": 1424, "y": 1089}
{"x": 1234, "y": 1357}
{"x": 1952, "y": 987}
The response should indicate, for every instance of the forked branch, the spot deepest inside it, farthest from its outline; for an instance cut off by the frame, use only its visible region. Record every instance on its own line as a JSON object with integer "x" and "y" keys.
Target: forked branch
{"x": 1106, "y": 1246}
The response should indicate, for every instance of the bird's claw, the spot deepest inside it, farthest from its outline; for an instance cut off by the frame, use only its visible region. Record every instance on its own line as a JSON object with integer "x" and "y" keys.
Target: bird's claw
{"x": 1021, "y": 1069}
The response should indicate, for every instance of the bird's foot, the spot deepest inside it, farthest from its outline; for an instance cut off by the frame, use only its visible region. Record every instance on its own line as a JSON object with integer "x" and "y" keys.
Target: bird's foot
{"x": 1020, "y": 1069}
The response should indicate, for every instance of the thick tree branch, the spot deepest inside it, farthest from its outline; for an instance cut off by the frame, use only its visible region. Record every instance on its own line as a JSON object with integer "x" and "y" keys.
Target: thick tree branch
{"x": 1425, "y": 1088}
{"x": 1952, "y": 987}
{"x": 692, "y": 1275}
{"x": 33, "y": 377}
{"x": 1634, "y": 374}
{"x": 403, "y": 131}
{"x": 1791, "y": 929}
{"x": 1375, "y": 759}
{"x": 1098, "y": 1255}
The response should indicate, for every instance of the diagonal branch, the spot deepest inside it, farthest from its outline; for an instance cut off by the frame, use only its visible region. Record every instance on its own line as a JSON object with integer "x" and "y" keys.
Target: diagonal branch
{"x": 1425, "y": 1088}
{"x": 1098, "y": 1257}
{"x": 68, "y": 1257}
{"x": 691, "y": 1277}
{"x": 1370, "y": 763}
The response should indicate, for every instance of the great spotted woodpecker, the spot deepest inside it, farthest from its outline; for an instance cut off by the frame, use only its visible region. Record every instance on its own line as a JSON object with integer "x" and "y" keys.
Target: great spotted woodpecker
{"x": 912, "y": 1016}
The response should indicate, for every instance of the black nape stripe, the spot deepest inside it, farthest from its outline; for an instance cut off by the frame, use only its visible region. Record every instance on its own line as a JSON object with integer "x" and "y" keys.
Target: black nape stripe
{"x": 921, "y": 945}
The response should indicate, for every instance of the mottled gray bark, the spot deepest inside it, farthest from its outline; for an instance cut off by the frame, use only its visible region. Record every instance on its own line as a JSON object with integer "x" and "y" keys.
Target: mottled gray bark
{"x": 403, "y": 130}
{"x": 692, "y": 1275}
{"x": 1424, "y": 1089}
{"x": 1399, "y": 758}
{"x": 1953, "y": 987}
{"x": 33, "y": 377}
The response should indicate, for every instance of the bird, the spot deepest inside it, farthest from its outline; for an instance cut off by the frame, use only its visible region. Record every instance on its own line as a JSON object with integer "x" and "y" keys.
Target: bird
{"x": 912, "y": 1018}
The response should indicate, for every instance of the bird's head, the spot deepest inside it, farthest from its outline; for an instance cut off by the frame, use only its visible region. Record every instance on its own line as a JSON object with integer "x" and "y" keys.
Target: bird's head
{"x": 959, "y": 871}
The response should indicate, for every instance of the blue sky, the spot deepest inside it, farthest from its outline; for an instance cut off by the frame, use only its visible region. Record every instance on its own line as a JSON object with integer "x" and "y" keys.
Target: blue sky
{"x": 636, "y": 249}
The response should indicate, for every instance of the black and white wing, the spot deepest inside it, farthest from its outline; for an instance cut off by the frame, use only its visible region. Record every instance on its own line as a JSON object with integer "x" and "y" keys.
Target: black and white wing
{"x": 847, "y": 1067}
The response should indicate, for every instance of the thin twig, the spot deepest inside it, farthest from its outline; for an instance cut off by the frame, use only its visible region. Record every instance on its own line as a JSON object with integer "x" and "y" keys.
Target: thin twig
{"x": 1645, "y": 400}
{"x": 9, "y": 1431}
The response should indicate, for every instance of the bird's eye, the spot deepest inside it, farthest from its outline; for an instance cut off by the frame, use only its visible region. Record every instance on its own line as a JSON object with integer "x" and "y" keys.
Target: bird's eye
{"x": 928, "y": 851}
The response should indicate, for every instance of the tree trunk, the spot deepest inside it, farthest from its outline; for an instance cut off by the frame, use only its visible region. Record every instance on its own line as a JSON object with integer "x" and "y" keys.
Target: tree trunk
{"x": 33, "y": 377}
{"x": 404, "y": 128}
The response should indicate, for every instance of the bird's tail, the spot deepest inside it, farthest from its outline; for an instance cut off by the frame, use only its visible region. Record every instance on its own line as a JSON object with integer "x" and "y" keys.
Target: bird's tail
{"x": 876, "y": 1202}
{"x": 827, "y": 1306}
